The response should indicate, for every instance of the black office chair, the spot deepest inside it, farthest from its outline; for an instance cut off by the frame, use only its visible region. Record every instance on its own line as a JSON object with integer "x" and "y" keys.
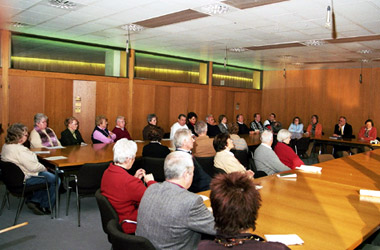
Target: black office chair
{"x": 252, "y": 166}
{"x": 207, "y": 164}
{"x": 13, "y": 178}
{"x": 107, "y": 212}
{"x": 242, "y": 156}
{"x": 123, "y": 241}
{"x": 154, "y": 166}
{"x": 85, "y": 183}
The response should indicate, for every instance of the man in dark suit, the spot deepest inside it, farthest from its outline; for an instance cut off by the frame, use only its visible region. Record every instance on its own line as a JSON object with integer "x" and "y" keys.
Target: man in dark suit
{"x": 344, "y": 130}
{"x": 212, "y": 128}
{"x": 170, "y": 216}
{"x": 243, "y": 129}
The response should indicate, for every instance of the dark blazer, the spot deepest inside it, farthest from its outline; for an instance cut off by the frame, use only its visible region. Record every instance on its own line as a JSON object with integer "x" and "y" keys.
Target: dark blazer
{"x": 347, "y": 132}
{"x": 212, "y": 130}
{"x": 67, "y": 138}
{"x": 192, "y": 128}
{"x": 243, "y": 129}
{"x": 155, "y": 150}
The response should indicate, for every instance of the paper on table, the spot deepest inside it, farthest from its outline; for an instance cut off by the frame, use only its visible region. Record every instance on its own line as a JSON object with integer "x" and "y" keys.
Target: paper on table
{"x": 41, "y": 152}
{"x": 55, "y": 147}
{"x": 210, "y": 209}
{"x": 55, "y": 158}
{"x": 287, "y": 239}
{"x": 83, "y": 144}
{"x": 310, "y": 169}
{"x": 165, "y": 139}
{"x": 258, "y": 187}
{"x": 373, "y": 193}
{"x": 138, "y": 141}
{"x": 205, "y": 198}
{"x": 370, "y": 199}
{"x": 287, "y": 175}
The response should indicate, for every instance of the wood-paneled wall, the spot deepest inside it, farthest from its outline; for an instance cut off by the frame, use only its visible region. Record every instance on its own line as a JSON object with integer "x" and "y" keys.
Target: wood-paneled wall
{"x": 329, "y": 93}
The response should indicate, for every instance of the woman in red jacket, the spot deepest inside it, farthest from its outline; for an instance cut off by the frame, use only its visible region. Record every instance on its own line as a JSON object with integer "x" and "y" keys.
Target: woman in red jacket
{"x": 368, "y": 132}
{"x": 285, "y": 152}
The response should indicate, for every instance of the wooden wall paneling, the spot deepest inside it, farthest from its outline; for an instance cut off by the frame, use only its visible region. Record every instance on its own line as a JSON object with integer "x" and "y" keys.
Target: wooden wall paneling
{"x": 197, "y": 103}
{"x": 143, "y": 104}
{"x": 241, "y": 98}
{"x": 101, "y": 98}
{"x": 26, "y": 98}
{"x": 4, "y": 103}
{"x": 162, "y": 107}
{"x": 273, "y": 95}
{"x": 218, "y": 104}
{"x": 58, "y": 102}
{"x": 178, "y": 103}
{"x": 254, "y": 105}
{"x": 374, "y": 98}
{"x": 86, "y": 90}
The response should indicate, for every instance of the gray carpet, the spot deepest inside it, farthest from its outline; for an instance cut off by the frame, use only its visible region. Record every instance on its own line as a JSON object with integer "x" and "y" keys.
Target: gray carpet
{"x": 42, "y": 232}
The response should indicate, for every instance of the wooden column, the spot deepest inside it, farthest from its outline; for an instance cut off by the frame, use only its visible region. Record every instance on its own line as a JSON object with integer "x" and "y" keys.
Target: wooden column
{"x": 131, "y": 70}
{"x": 5, "y": 55}
{"x": 209, "y": 101}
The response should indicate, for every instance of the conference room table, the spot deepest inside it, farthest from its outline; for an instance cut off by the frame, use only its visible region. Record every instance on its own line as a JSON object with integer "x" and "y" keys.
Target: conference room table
{"x": 350, "y": 142}
{"x": 325, "y": 209}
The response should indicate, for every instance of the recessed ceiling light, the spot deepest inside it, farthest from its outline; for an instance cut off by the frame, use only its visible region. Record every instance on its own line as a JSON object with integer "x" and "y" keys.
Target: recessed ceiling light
{"x": 298, "y": 64}
{"x": 215, "y": 9}
{"x": 132, "y": 27}
{"x": 18, "y": 25}
{"x": 365, "y": 60}
{"x": 314, "y": 43}
{"x": 365, "y": 51}
{"x": 237, "y": 50}
{"x": 62, "y": 4}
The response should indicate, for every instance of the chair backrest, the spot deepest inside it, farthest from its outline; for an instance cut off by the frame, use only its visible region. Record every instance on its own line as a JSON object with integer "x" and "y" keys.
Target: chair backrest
{"x": 325, "y": 157}
{"x": 12, "y": 176}
{"x": 123, "y": 241}
{"x": 154, "y": 166}
{"x": 107, "y": 212}
{"x": 207, "y": 164}
{"x": 90, "y": 175}
{"x": 242, "y": 156}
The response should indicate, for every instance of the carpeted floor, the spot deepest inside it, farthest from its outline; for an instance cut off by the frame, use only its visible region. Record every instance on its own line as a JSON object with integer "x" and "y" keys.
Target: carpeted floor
{"x": 42, "y": 232}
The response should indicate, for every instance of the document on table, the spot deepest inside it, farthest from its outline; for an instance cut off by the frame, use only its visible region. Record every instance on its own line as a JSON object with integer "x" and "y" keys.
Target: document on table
{"x": 205, "y": 198}
{"x": 83, "y": 144}
{"x": 310, "y": 169}
{"x": 373, "y": 193}
{"x": 138, "y": 141}
{"x": 287, "y": 175}
{"x": 55, "y": 158}
{"x": 287, "y": 239}
{"x": 41, "y": 152}
{"x": 55, "y": 147}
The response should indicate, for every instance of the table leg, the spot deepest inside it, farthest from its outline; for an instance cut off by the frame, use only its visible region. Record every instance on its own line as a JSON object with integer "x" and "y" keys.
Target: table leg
{"x": 56, "y": 192}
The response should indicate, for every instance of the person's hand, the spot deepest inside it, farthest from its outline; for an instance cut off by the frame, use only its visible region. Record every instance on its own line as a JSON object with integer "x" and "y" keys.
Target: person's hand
{"x": 140, "y": 173}
{"x": 250, "y": 173}
{"x": 335, "y": 135}
{"x": 148, "y": 178}
{"x": 251, "y": 132}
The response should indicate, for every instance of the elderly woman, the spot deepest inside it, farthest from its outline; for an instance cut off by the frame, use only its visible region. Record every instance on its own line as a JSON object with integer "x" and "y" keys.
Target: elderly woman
{"x": 191, "y": 120}
{"x": 224, "y": 158}
{"x": 296, "y": 126}
{"x": 71, "y": 135}
{"x": 123, "y": 190}
{"x": 14, "y": 151}
{"x": 152, "y": 121}
{"x": 236, "y": 192}
{"x": 154, "y": 148}
{"x": 314, "y": 128}
{"x": 119, "y": 130}
{"x": 101, "y": 133}
{"x": 368, "y": 132}
{"x": 41, "y": 135}
{"x": 203, "y": 145}
{"x": 284, "y": 152}
{"x": 240, "y": 143}
{"x": 223, "y": 127}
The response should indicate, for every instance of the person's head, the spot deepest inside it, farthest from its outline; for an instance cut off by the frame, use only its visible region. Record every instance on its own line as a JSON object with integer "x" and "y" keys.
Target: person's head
{"x": 272, "y": 117}
{"x": 192, "y": 117}
{"x": 17, "y": 133}
{"x": 297, "y": 120}
{"x": 267, "y": 137}
{"x": 223, "y": 119}
{"x": 155, "y": 133}
{"x": 182, "y": 119}
{"x": 233, "y": 128}
{"x": 257, "y": 117}
{"x": 179, "y": 166}
{"x": 40, "y": 120}
{"x": 222, "y": 141}
{"x": 342, "y": 121}
{"x": 235, "y": 203}
{"x": 152, "y": 119}
{"x": 120, "y": 121}
{"x": 201, "y": 128}
{"x": 182, "y": 139}
{"x": 72, "y": 123}
{"x": 240, "y": 118}
{"x": 314, "y": 119}
{"x": 284, "y": 136}
{"x": 369, "y": 124}
{"x": 124, "y": 152}
{"x": 277, "y": 126}
{"x": 101, "y": 121}
{"x": 210, "y": 119}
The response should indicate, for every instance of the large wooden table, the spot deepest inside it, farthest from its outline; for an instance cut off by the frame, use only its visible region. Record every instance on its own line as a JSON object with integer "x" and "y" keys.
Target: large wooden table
{"x": 325, "y": 209}
{"x": 351, "y": 142}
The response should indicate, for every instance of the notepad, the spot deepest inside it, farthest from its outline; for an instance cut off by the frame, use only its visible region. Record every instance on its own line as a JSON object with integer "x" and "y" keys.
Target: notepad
{"x": 287, "y": 239}
{"x": 55, "y": 158}
{"x": 287, "y": 175}
{"x": 83, "y": 144}
{"x": 205, "y": 198}
{"x": 258, "y": 187}
{"x": 310, "y": 169}
{"x": 55, "y": 147}
{"x": 42, "y": 152}
{"x": 373, "y": 193}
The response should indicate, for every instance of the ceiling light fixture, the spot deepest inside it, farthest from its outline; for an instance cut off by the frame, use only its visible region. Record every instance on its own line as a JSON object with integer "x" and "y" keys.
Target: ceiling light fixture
{"x": 314, "y": 43}
{"x": 328, "y": 17}
{"x": 298, "y": 64}
{"x": 365, "y": 60}
{"x": 215, "y": 9}
{"x": 62, "y": 4}
{"x": 132, "y": 27}
{"x": 365, "y": 51}
{"x": 237, "y": 50}
{"x": 18, "y": 25}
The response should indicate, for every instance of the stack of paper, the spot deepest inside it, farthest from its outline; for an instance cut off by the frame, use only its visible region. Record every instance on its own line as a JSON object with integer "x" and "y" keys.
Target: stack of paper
{"x": 287, "y": 175}
{"x": 287, "y": 239}
{"x": 41, "y": 152}
{"x": 310, "y": 169}
{"x": 55, "y": 147}
{"x": 373, "y": 193}
{"x": 55, "y": 158}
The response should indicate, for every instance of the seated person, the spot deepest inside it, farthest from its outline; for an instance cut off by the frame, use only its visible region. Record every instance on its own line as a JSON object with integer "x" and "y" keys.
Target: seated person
{"x": 314, "y": 128}
{"x": 203, "y": 145}
{"x": 191, "y": 121}
{"x": 256, "y": 125}
{"x": 271, "y": 119}
{"x": 243, "y": 129}
{"x": 284, "y": 152}
{"x": 240, "y": 143}
{"x": 296, "y": 126}
{"x": 101, "y": 133}
{"x": 123, "y": 190}
{"x": 170, "y": 216}
{"x": 14, "y": 151}
{"x": 223, "y": 127}
{"x": 71, "y": 135}
{"x": 120, "y": 131}
{"x": 181, "y": 124}
{"x": 344, "y": 130}
{"x": 233, "y": 231}
{"x": 152, "y": 121}
{"x": 154, "y": 148}
{"x": 212, "y": 128}
{"x": 368, "y": 132}
{"x": 265, "y": 158}
{"x": 41, "y": 135}
{"x": 224, "y": 158}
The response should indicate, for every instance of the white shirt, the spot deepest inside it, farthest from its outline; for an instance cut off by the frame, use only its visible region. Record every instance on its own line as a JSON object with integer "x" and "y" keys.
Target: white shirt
{"x": 174, "y": 128}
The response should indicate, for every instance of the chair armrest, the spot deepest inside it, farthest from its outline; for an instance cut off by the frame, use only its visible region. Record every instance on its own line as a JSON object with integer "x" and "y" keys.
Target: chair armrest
{"x": 128, "y": 221}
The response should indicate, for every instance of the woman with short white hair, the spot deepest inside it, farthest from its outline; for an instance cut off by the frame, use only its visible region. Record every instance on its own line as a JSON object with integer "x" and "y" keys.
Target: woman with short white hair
{"x": 284, "y": 152}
